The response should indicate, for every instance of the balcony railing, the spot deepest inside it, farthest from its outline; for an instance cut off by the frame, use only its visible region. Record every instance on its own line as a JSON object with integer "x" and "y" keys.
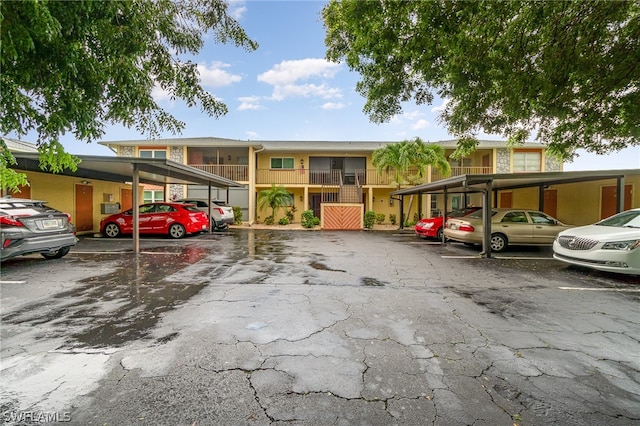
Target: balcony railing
{"x": 459, "y": 171}
{"x": 238, "y": 173}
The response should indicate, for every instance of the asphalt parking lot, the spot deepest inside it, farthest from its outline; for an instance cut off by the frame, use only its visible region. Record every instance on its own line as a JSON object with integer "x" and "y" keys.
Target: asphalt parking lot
{"x": 298, "y": 327}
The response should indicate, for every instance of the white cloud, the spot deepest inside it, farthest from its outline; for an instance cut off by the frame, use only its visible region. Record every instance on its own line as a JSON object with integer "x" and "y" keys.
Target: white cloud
{"x": 215, "y": 75}
{"x": 251, "y": 135}
{"x": 441, "y": 107}
{"x": 333, "y": 105}
{"x": 304, "y": 90}
{"x": 236, "y": 9}
{"x": 158, "y": 94}
{"x": 249, "y": 103}
{"x": 420, "y": 124}
{"x": 304, "y": 77}
{"x": 287, "y": 72}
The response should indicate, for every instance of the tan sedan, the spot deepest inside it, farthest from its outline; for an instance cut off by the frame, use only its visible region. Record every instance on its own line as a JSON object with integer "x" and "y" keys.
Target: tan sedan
{"x": 520, "y": 227}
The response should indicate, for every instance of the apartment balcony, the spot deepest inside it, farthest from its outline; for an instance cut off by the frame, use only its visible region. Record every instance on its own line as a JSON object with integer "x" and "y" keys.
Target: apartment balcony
{"x": 319, "y": 177}
{"x": 460, "y": 171}
{"x": 238, "y": 173}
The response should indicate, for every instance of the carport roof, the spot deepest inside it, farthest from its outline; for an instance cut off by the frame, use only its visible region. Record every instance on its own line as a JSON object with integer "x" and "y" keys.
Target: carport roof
{"x": 503, "y": 181}
{"x": 157, "y": 171}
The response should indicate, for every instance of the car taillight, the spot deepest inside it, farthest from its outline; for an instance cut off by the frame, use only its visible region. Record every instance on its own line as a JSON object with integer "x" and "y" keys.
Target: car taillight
{"x": 467, "y": 228}
{"x": 10, "y": 221}
{"x": 69, "y": 217}
{"x": 220, "y": 210}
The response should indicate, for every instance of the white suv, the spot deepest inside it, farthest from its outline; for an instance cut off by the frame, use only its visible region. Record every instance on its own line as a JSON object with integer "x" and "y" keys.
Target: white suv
{"x": 221, "y": 213}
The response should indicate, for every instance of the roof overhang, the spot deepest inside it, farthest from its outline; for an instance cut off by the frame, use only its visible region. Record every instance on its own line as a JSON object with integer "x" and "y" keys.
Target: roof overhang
{"x": 504, "y": 181}
{"x": 157, "y": 171}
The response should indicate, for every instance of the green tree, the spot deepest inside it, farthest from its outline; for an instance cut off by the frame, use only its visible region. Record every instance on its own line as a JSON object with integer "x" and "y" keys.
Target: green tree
{"x": 275, "y": 197}
{"x": 567, "y": 72}
{"x": 75, "y": 66}
{"x": 402, "y": 156}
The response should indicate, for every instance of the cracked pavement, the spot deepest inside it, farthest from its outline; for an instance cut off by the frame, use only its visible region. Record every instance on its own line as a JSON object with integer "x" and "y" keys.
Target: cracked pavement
{"x": 316, "y": 328}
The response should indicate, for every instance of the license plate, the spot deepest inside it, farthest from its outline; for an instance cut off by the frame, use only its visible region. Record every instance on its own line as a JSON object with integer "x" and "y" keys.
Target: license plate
{"x": 49, "y": 223}
{"x": 452, "y": 226}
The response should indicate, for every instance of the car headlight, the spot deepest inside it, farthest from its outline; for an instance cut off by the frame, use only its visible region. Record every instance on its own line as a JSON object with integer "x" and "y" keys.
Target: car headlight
{"x": 621, "y": 245}
{"x": 427, "y": 225}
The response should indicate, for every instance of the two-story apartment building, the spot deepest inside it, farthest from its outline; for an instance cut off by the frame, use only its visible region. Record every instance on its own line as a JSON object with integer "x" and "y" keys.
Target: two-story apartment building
{"x": 320, "y": 172}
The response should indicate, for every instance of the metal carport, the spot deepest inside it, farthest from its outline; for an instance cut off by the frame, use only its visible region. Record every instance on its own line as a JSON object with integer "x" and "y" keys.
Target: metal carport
{"x": 157, "y": 171}
{"x": 492, "y": 183}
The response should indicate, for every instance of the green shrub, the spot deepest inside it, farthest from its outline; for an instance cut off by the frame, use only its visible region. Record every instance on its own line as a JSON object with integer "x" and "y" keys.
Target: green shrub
{"x": 380, "y": 217}
{"x": 308, "y": 220}
{"x": 392, "y": 219}
{"x": 283, "y": 221}
{"x": 369, "y": 219}
{"x": 269, "y": 220}
{"x": 290, "y": 213}
{"x": 237, "y": 215}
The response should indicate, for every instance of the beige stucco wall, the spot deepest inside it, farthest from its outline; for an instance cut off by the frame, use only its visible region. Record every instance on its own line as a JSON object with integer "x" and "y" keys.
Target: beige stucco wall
{"x": 59, "y": 192}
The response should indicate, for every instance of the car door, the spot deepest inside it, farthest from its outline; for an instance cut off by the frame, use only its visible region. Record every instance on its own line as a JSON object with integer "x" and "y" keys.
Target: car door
{"x": 146, "y": 212}
{"x": 545, "y": 228}
{"x": 161, "y": 218}
{"x": 516, "y": 226}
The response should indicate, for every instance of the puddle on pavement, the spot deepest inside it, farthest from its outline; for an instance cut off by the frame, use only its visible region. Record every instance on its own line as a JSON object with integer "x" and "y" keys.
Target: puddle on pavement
{"x": 322, "y": 267}
{"x": 371, "y": 282}
{"x": 118, "y": 307}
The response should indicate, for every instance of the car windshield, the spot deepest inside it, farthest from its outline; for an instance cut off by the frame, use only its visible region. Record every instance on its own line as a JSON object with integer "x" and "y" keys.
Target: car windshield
{"x": 628, "y": 219}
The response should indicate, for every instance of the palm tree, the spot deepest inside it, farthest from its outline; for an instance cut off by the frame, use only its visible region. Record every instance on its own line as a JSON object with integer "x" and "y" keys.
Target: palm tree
{"x": 400, "y": 157}
{"x": 274, "y": 197}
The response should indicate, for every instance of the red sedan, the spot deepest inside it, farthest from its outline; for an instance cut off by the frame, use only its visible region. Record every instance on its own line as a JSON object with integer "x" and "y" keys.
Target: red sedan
{"x": 431, "y": 227}
{"x": 173, "y": 219}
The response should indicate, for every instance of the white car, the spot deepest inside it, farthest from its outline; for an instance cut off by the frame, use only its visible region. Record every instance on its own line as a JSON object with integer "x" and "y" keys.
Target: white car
{"x": 221, "y": 214}
{"x": 612, "y": 245}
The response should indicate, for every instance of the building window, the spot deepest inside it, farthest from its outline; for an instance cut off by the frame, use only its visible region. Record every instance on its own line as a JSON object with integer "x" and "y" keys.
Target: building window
{"x": 152, "y": 153}
{"x": 282, "y": 163}
{"x": 153, "y": 196}
{"x": 527, "y": 161}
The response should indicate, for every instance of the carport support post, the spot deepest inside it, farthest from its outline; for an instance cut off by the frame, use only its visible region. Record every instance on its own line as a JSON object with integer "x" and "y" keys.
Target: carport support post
{"x": 209, "y": 207}
{"x": 486, "y": 221}
{"x": 402, "y": 212}
{"x": 136, "y": 210}
{"x": 620, "y": 189}
{"x": 444, "y": 214}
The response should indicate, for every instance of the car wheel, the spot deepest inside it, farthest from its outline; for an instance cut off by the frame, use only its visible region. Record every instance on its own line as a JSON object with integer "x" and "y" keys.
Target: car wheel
{"x": 111, "y": 230}
{"x": 439, "y": 234}
{"x": 222, "y": 227}
{"x": 498, "y": 242}
{"x": 176, "y": 231}
{"x": 56, "y": 254}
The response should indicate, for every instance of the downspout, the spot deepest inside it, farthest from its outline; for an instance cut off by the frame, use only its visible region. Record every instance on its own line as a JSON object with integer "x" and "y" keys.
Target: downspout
{"x": 252, "y": 187}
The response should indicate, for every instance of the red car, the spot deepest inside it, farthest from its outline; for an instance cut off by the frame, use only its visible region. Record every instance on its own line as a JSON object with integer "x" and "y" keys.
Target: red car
{"x": 431, "y": 227}
{"x": 173, "y": 219}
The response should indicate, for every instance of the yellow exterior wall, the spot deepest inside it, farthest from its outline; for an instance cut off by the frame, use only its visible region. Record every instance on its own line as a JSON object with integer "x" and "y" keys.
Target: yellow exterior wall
{"x": 59, "y": 193}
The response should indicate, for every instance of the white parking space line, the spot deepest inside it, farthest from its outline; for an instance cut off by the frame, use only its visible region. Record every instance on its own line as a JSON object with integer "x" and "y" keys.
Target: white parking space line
{"x": 12, "y": 282}
{"x": 461, "y": 257}
{"x": 622, "y": 290}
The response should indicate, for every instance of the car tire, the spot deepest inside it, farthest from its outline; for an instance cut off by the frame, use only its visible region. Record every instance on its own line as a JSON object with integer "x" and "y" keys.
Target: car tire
{"x": 111, "y": 230}
{"x": 439, "y": 234}
{"x": 176, "y": 231}
{"x": 61, "y": 252}
{"x": 498, "y": 243}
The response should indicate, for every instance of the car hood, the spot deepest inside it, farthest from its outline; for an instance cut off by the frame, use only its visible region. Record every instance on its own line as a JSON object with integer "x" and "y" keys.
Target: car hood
{"x": 603, "y": 233}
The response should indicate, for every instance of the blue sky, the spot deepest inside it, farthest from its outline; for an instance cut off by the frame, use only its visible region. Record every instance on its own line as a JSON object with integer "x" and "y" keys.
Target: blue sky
{"x": 286, "y": 90}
